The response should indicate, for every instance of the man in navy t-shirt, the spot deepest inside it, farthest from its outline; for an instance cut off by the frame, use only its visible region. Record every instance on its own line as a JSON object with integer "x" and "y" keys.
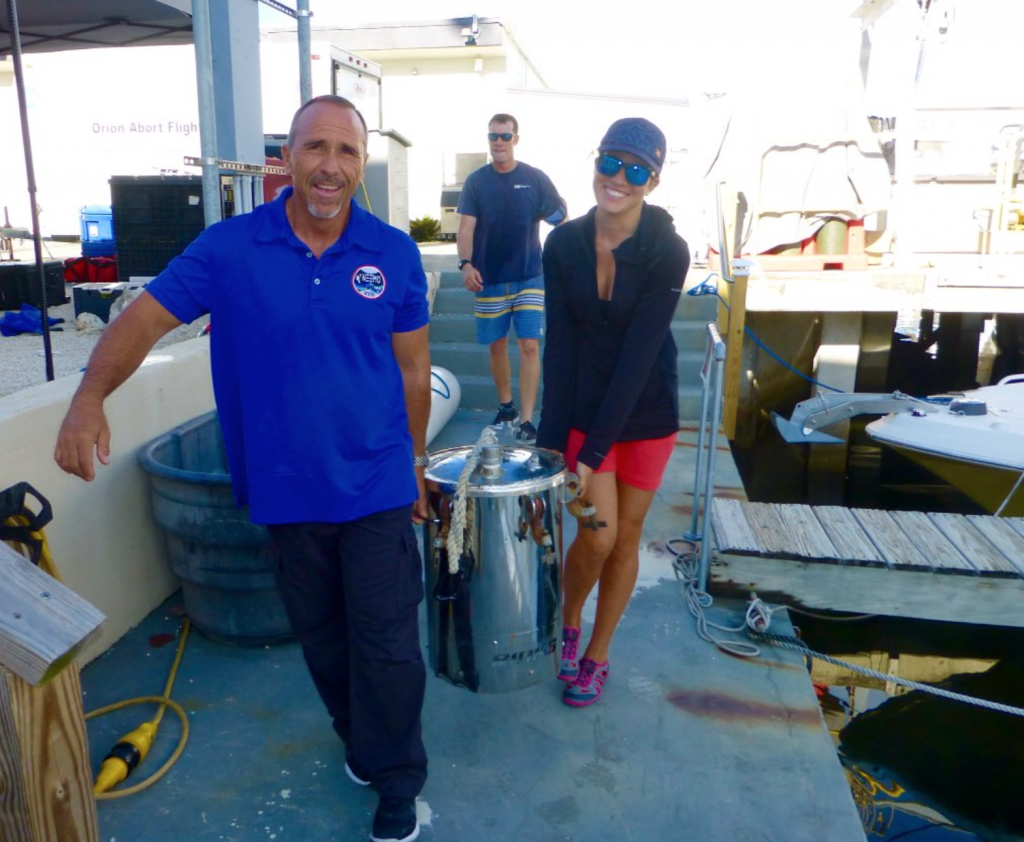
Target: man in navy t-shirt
{"x": 501, "y": 207}
{"x": 321, "y": 372}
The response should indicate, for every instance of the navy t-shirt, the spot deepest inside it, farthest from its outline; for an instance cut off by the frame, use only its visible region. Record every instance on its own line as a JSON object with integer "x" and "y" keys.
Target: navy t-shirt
{"x": 508, "y": 208}
{"x": 308, "y": 389}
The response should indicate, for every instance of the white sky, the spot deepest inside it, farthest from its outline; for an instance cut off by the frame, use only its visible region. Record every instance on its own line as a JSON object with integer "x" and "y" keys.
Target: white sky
{"x": 665, "y": 48}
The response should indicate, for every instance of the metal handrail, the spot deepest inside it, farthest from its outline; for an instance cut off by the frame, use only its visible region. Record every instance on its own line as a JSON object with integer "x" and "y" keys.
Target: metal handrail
{"x": 712, "y": 377}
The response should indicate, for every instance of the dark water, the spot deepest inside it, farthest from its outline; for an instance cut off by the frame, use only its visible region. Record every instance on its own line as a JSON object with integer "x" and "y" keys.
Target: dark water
{"x": 920, "y": 767}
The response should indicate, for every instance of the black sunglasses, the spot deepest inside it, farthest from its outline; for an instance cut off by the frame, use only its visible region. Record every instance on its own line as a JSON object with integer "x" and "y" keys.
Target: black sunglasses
{"x": 505, "y": 136}
{"x": 636, "y": 174}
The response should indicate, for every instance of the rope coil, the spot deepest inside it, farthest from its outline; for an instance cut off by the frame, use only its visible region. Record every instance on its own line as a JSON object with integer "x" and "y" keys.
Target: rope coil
{"x": 758, "y": 619}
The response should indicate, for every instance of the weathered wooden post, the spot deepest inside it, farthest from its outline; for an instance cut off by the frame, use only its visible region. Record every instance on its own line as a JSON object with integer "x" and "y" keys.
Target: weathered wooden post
{"x": 45, "y": 782}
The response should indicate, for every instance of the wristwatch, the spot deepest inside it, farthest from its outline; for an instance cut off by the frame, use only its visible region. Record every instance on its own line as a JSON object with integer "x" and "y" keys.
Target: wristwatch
{"x": 463, "y": 262}
{"x": 421, "y": 461}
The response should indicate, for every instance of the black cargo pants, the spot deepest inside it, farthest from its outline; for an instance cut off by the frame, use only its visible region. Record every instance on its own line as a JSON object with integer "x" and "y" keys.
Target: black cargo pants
{"x": 352, "y": 592}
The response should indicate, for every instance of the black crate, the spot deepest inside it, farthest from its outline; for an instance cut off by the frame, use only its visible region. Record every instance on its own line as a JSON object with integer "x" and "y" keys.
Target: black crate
{"x": 19, "y": 284}
{"x": 155, "y": 218}
{"x": 145, "y": 251}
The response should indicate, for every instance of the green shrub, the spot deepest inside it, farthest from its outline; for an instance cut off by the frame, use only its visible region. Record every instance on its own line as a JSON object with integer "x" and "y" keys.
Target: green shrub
{"x": 424, "y": 229}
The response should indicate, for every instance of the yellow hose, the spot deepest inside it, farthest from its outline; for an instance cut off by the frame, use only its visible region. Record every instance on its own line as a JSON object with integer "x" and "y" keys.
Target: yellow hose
{"x": 165, "y": 701}
{"x": 46, "y": 562}
{"x": 49, "y": 566}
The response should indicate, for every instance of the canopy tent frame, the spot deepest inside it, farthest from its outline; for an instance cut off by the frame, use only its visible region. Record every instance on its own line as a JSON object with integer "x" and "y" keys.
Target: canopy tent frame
{"x": 129, "y": 23}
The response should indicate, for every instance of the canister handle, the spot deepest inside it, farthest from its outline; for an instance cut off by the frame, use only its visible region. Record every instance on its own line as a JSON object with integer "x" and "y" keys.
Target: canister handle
{"x": 572, "y": 485}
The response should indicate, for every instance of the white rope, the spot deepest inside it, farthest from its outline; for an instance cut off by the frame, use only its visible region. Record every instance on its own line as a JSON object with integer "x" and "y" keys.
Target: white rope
{"x": 758, "y": 619}
{"x": 1009, "y": 496}
{"x": 686, "y": 565}
{"x": 798, "y": 646}
{"x": 457, "y": 527}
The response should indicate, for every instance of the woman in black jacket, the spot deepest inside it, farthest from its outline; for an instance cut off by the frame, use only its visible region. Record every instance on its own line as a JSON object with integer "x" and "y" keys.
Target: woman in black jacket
{"x": 613, "y": 280}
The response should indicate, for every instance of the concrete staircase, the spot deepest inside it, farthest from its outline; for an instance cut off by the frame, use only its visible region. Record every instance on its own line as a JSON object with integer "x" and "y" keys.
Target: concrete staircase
{"x": 453, "y": 342}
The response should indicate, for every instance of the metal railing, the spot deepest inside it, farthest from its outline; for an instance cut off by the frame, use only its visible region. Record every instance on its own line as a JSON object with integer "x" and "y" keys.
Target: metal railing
{"x": 711, "y": 376}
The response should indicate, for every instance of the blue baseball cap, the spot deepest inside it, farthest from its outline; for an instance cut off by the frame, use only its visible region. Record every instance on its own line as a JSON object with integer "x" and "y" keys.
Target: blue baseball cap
{"x": 639, "y": 137}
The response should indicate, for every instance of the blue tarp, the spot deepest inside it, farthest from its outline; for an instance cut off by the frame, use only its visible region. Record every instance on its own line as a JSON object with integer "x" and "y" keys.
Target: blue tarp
{"x": 27, "y": 320}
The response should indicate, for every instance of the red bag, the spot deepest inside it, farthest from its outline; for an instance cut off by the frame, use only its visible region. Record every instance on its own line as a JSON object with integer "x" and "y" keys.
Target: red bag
{"x": 93, "y": 270}
{"x": 101, "y": 270}
{"x": 75, "y": 270}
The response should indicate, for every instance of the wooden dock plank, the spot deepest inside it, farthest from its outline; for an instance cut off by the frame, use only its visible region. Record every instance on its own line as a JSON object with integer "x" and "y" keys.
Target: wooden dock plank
{"x": 1016, "y": 524}
{"x": 807, "y": 534}
{"x": 732, "y": 532}
{"x": 847, "y": 536}
{"x": 772, "y": 536}
{"x": 933, "y": 544}
{"x": 1005, "y": 538}
{"x": 870, "y": 590}
{"x": 976, "y": 548}
{"x": 890, "y": 540}
{"x": 42, "y": 622}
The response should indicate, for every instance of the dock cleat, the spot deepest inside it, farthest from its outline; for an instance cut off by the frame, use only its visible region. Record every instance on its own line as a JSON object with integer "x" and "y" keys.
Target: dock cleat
{"x": 589, "y": 684}
{"x": 570, "y": 658}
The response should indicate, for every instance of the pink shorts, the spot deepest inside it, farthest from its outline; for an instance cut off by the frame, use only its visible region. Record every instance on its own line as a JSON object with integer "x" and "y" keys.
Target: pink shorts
{"x": 640, "y": 464}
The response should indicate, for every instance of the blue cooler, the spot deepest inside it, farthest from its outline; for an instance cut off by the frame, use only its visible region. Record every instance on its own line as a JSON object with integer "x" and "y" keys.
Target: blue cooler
{"x": 97, "y": 231}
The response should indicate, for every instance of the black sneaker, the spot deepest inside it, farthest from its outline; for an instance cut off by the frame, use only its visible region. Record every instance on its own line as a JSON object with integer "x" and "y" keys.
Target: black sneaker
{"x": 526, "y": 433}
{"x": 507, "y": 414}
{"x": 395, "y": 820}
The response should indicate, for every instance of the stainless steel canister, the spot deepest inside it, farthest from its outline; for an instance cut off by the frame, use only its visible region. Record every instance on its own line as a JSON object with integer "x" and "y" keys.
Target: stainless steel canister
{"x": 493, "y": 627}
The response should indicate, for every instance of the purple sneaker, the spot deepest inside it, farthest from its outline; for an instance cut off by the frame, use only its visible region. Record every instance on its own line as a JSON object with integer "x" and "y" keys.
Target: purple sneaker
{"x": 570, "y": 659}
{"x": 589, "y": 684}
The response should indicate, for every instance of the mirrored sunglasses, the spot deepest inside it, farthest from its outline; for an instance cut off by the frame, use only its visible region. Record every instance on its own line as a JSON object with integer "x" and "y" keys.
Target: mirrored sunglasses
{"x": 505, "y": 136}
{"x": 636, "y": 174}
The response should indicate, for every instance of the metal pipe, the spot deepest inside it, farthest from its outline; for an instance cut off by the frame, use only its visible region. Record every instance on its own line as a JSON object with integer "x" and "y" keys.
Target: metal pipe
{"x": 30, "y": 172}
{"x": 705, "y": 397}
{"x": 207, "y": 111}
{"x": 715, "y": 387}
{"x": 302, "y": 15}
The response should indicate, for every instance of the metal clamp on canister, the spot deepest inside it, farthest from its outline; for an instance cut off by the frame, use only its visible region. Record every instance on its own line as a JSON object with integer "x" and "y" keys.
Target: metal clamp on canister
{"x": 583, "y": 510}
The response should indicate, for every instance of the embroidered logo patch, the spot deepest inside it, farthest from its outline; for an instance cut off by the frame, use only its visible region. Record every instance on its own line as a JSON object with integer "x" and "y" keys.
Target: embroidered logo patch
{"x": 369, "y": 282}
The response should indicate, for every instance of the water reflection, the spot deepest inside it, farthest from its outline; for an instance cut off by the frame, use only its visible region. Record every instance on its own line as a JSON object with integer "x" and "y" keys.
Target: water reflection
{"x": 931, "y": 768}
{"x": 920, "y": 768}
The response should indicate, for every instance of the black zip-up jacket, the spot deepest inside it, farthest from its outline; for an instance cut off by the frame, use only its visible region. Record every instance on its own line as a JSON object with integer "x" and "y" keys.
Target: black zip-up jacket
{"x": 610, "y": 366}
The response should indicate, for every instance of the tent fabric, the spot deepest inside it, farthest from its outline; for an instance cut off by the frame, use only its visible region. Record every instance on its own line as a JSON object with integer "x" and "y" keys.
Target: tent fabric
{"x": 51, "y": 25}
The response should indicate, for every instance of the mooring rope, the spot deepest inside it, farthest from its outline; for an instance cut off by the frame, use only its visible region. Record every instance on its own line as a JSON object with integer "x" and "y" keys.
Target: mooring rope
{"x": 686, "y": 565}
{"x": 457, "y": 527}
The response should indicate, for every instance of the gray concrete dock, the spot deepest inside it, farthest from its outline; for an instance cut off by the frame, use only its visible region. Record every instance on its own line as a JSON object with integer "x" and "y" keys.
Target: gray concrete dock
{"x": 687, "y": 743}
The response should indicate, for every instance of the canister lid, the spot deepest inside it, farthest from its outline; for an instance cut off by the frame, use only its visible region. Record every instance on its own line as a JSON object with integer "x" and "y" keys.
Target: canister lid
{"x": 522, "y": 470}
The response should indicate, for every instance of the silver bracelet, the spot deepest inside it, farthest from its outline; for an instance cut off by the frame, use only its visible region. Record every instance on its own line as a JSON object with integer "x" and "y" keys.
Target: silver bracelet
{"x": 421, "y": 461}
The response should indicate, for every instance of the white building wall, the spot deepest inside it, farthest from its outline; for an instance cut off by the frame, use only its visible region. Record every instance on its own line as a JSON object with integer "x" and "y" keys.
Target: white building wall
{"x": 100, "y": 113}
{"x": 94, "y": 114}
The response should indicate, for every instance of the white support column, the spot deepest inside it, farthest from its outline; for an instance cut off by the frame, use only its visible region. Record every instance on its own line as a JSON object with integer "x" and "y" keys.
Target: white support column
{"x": 834, "y": 365}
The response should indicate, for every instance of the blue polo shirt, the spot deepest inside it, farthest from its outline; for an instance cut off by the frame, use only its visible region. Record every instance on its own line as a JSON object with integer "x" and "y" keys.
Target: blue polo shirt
{"x": 308, "y": 390}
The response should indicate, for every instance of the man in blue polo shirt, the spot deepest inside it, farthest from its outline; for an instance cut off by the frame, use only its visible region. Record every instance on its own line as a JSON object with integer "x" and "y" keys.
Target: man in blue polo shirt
{"x": 321, "y": 372}
{"x": 500, "y": 209}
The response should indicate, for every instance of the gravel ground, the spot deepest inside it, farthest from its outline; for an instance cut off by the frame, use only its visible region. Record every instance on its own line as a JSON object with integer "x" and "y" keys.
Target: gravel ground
{"x": 22, "y": 360}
